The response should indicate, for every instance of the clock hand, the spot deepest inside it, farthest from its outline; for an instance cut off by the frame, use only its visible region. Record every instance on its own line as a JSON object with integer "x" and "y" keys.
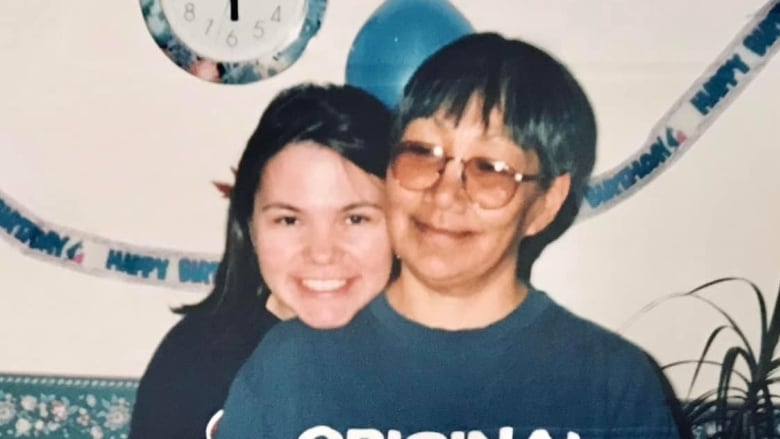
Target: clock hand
{"x": 233, "y": 10}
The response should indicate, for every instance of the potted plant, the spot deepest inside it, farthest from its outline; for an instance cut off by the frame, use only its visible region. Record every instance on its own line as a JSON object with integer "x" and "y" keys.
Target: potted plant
{"x": 743, "y": 404}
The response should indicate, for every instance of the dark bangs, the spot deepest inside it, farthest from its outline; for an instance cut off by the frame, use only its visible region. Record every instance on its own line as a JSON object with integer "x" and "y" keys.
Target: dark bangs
{"x": 544, "y": 108}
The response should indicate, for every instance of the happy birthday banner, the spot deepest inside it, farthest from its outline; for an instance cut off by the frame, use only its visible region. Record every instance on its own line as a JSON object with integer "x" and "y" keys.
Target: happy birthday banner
{"x": 680, "y": 127}
{"x": 99, "y": 256}
{"x": 691, "y": 115}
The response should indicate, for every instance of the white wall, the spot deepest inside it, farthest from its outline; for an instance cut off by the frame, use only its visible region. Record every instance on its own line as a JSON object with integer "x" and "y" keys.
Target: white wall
{"x": 101, "y": 133}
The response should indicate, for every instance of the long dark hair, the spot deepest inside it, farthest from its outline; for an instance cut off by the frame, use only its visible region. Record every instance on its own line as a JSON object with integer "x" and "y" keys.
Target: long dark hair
{"x": 342, "y": 118}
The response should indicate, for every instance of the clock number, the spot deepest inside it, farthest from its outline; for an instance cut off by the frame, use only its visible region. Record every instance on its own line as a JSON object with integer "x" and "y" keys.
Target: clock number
{"x": 259, "y": 30}
{"x": 208, "y": 28}
{"x": 189, "y": 11}
{"x": 232, "y": 39}
{"x": 277, "y": 15}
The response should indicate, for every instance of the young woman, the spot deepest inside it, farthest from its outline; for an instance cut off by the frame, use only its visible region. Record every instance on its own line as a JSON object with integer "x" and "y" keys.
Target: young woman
{"x": 306, "y": 236}
{"x": 494, "y": 138}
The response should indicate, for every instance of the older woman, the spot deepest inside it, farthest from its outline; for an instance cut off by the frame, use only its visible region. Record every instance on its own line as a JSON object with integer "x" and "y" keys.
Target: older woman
{"x": 494, "y": 138}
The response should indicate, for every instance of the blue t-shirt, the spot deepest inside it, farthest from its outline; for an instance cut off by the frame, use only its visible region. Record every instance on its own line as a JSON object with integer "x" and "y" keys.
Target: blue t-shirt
{"x": 539, "y": 373}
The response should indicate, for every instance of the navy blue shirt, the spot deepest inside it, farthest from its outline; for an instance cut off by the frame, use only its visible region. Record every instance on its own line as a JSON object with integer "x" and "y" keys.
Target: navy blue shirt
{"x": 540, "y": 372}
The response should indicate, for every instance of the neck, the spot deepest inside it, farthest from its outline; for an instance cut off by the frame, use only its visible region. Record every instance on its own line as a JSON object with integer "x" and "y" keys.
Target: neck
{"x": 471, "y": 304}
{"x": 279, "y": 308}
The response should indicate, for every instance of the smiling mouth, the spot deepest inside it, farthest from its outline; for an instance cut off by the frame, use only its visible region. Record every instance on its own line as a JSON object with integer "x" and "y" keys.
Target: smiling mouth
{"x": 324, "y": 285}
{"x": 435, "y": 231}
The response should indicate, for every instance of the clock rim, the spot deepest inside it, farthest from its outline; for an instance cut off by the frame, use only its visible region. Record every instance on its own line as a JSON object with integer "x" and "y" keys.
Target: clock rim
{"x": 229, "y": 72}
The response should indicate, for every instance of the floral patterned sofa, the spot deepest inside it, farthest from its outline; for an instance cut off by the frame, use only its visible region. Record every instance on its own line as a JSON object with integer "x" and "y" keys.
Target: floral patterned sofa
{"x": 65, "y": 407}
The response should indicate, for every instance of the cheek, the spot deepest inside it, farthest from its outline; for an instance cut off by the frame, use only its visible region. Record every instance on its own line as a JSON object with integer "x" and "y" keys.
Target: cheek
{"x": 371, "y": 250}
{"x": 400, "y": 204}
{"x": 398, "y": 198}
{"x": 398, "y": 229}
{"x": 502, "y": 225}
{"x": 275, "y": 252}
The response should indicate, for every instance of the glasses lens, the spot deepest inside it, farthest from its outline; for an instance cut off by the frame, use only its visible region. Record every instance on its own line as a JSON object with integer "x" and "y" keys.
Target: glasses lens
{"x": 416, "y": 167}
{"x": 490, "y": 184}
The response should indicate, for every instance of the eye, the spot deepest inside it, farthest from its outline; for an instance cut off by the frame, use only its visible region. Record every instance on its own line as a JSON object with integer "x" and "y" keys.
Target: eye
{"x": 416, "y": 148}
{"x": 488, "y": 167}
{"x": 287, "y": 220}
{"x": 355, "y": 219}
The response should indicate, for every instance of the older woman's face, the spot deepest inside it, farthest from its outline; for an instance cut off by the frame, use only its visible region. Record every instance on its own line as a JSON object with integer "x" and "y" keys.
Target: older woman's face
{"x": 320, "y": 234}
{"x": 442, "y": 235}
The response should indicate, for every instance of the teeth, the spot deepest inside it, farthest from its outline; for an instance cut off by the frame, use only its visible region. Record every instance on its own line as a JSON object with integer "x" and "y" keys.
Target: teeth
{"x": 324, "y": 284}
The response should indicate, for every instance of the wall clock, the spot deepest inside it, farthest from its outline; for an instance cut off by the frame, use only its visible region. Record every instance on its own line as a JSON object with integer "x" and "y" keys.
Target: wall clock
{"x": 233, "y": 41}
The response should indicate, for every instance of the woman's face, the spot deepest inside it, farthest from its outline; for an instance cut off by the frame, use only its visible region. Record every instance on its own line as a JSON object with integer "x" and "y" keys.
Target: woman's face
{"x": 443, "y": 237}
{"x": 320, "y": 235}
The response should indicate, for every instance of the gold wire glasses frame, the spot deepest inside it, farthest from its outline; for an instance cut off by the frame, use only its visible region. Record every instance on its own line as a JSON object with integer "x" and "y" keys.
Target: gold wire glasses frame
{"x": 489, "y": 183}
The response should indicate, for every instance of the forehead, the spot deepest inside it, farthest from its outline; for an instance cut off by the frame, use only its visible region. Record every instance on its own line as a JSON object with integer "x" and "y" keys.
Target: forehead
{"x": 472, "y": 118}
{"x": 310, "y": 176}
{"x": 471, "y": 134}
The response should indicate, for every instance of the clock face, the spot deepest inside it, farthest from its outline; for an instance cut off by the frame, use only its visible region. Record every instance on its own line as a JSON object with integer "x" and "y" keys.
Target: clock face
{"x": 233, "y": 41}
{"x": 235, "y": 30}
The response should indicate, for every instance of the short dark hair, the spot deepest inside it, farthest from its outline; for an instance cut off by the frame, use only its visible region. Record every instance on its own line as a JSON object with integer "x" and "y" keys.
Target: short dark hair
{"x": 344, "y": 119}
{"x": 543, "y": 106}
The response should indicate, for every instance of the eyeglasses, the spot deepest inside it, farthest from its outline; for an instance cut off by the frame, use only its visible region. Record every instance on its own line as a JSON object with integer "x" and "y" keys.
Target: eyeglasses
{"x": 489, "y": 183}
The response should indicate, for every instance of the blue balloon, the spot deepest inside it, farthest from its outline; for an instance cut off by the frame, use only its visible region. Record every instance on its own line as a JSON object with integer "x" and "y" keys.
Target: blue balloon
{"x": 396, "y": 39}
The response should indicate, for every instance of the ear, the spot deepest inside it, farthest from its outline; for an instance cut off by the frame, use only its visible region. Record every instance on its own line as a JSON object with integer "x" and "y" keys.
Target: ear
{"x": 546, "y": 206}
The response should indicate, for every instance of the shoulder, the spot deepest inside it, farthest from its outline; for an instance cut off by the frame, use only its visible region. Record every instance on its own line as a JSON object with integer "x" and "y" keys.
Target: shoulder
{"x": 634, "y": 387}
{"x": 201, "y": 341}
{"x": 292, "y": 347}
{"x": 185, "y": 360}
{"x": 173, "y": 371}
{"x": 586, "y": 336}
{"x": 604, "y": 355}
{"x": 295, "y": 337}
{"x": 622, "y": 365}
{"x": 191, "y": 369}
{"x": 283, "y": 340}
{"x": 182, "y": 342}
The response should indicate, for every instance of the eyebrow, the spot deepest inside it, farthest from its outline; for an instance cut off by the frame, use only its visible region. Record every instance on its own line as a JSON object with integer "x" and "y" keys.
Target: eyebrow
{"x": 283, "y": 206}
{"x": 411, "y": 142}
{"x": 361, "y": 204}
{"x": 348, "y": 207}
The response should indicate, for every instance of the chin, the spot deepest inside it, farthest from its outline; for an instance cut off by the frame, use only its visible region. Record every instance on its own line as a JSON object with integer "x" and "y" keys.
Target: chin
{"x": 436, "y": 268}
{"x": 327, "y": 321}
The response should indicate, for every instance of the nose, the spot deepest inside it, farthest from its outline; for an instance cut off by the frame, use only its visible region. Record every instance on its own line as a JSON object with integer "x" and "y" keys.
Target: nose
{"x": 449, "y": 191}
{"x": 322, "y": 246}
